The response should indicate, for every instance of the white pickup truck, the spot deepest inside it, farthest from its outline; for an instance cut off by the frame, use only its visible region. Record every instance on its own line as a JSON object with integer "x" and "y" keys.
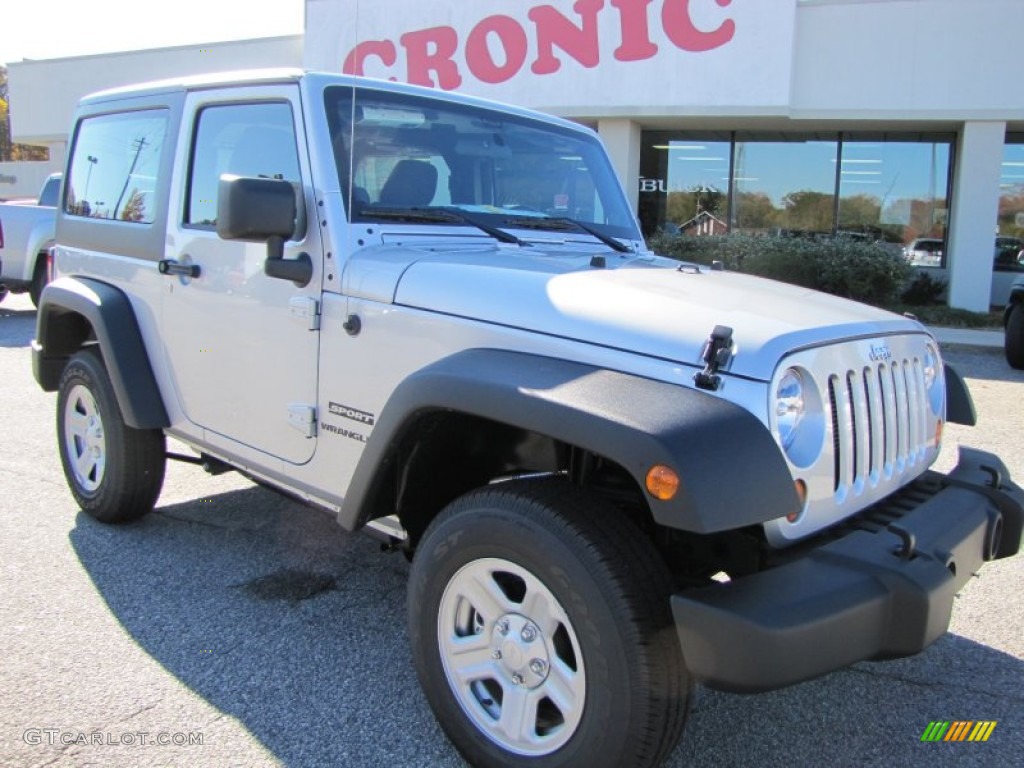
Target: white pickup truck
{"x": 26, "y": 234}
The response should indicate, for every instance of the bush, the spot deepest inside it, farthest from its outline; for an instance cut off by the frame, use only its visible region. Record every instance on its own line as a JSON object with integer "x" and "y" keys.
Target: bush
{"x": 924, "y": 290}
{"x": 842, "y": 266}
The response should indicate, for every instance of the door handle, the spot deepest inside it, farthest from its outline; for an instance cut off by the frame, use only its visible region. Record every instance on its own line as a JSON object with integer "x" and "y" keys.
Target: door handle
{"x": 172, "y": 267}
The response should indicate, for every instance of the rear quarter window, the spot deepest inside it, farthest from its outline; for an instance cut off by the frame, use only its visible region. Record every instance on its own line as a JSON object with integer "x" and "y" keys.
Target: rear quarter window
{"x": 114, "y": 166}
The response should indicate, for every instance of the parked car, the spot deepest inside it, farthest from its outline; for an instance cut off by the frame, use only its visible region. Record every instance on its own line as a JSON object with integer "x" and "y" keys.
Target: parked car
{"x": 1013, "y": 322}
{"x": 26, "y": 234}
{"x": 924, "y": 252}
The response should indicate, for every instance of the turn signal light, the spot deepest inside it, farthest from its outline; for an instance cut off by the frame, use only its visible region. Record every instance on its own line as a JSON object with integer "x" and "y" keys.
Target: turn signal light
{"x": 662, "y": 482}
{"x": 938, "y": 433}
{"x": 801, "y": 493}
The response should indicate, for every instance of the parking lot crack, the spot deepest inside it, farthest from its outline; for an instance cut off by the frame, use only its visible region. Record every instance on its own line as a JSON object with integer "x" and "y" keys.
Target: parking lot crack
{"x": 937, "y": 684}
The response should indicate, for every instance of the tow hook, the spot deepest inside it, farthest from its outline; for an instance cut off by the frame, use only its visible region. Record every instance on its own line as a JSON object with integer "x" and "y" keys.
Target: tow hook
{"x": 907, "y": 542}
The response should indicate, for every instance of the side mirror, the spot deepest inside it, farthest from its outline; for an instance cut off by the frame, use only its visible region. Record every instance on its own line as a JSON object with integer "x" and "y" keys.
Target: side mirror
{"x": 264, "y": 210}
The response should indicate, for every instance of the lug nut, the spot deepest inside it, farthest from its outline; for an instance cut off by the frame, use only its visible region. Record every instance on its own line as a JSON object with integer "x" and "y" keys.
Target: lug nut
{"x": 517, "y": 679}
{"x": 503, "y": 626}
{"x": 529, "y": 634}
{"x": 538, "y": 667}
{"x": 495, "y": 654}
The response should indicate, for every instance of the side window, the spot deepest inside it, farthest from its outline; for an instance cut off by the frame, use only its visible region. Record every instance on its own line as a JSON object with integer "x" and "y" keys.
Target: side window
{"x": 114, "y": 166}
{"x": 241, "y": 139}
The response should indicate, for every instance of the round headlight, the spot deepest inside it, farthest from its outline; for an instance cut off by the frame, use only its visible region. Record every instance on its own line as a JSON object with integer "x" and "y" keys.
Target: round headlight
{"x": 798, "y": 416}
{"x": 930, "y": 366}
{"x": 789, "y": 406}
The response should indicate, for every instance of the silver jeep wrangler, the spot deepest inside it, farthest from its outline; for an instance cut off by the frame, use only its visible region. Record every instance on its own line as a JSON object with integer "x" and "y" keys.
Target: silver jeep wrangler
{"x": 436, "y": 318}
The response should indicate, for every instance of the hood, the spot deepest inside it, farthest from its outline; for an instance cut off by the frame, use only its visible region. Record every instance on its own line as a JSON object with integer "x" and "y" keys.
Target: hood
{"x": 643, "y": 305}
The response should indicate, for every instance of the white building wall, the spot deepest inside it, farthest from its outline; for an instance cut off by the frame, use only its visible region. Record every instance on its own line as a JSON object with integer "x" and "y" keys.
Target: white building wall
{"x": 908, "y": 59}
{"x": 22, "y": 179}
{"x": 45, "y": 120}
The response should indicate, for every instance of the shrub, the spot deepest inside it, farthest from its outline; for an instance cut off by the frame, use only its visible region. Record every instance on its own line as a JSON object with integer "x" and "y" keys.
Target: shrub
{"x": 924, "y": 290}
{"x": 843, "y": 266}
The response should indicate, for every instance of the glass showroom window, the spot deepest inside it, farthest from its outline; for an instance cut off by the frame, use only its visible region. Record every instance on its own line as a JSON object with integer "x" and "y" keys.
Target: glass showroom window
{"x": 784, "y": 187}
{"x": 684, "y": 183}
{"x": 896, "y": 192}
{"x": 1010, "y": 241}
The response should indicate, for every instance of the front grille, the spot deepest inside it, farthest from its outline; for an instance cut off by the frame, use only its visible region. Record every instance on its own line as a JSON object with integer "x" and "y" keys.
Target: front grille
{"x": 879, "y": 417}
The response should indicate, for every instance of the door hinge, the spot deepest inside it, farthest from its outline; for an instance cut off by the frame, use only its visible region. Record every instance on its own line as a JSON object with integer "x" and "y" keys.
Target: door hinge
{"x": 303, "y": 418}
{"x": 305, "y": 310}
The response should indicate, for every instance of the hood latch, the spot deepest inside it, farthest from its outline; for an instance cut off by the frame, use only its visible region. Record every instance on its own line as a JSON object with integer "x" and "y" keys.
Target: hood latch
{"x": 716, "y": 355}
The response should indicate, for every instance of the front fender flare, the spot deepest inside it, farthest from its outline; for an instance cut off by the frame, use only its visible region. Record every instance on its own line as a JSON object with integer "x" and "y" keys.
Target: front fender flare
{"x": 732, "y": 470}
{"x": 109, "y": 313}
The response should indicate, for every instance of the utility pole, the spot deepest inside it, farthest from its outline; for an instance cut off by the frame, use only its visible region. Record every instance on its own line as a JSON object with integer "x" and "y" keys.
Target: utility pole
{"x": 140, "y": 144}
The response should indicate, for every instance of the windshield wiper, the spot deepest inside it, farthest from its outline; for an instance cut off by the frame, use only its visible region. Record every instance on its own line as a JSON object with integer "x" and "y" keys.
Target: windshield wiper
{"x": 561, "y": 222}
{"x": 442, "y": 215}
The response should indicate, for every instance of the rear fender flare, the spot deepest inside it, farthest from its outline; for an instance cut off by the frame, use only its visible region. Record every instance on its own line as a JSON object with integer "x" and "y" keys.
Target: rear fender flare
{"x": 69, "y": 309}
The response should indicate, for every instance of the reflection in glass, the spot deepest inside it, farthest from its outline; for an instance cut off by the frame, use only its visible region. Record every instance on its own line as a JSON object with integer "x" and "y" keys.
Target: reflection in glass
{"x": 896, "y": 192}
{"x": 784, "y": 187}
{"x": 684, "y": 185}
{"x": 241, "y": 139}
{"x": 1009, "y": 247}
{"x": 114, "y": 166}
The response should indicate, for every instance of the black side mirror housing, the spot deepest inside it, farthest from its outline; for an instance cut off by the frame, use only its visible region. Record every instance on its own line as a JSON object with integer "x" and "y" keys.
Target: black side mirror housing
{"x": 262, "y": 210}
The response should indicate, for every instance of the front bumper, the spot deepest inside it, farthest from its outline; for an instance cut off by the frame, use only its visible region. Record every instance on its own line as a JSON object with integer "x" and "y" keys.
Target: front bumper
{"x": 883, "y": 591}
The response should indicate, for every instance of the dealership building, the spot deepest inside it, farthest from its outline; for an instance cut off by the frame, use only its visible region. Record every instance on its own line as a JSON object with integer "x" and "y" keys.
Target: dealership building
{"x": 894, "y": 120}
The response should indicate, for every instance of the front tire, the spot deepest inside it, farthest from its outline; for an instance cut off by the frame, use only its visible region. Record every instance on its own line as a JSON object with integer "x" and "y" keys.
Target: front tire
{"x": 1014, "y": 340}
{"x": 114, "y": 472}
{"x": 542, "y": 633}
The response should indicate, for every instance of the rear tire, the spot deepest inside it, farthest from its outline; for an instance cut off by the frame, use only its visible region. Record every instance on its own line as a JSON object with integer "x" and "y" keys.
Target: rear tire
{"x": 1014, "y": 341}
{"x": 542, "y": 634}
{"x": 114, "y": 472}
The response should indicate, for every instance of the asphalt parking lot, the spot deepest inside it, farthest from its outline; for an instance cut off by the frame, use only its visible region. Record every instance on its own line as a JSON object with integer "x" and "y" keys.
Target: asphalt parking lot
{"x": 260, "y": 628}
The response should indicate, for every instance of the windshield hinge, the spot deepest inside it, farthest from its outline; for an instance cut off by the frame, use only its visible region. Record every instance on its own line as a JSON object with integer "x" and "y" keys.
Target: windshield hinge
{"x": 306, "y": 310}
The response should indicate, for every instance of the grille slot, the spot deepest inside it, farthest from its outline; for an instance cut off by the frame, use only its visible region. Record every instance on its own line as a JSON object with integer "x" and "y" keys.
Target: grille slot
{"x": 879, "y": 417}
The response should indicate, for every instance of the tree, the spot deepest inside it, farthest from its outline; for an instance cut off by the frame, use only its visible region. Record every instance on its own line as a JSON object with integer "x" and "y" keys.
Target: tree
{"x": 135, "y": 207}
{"x": 755, "y": 211}
{"x": 808, "y": 211}
{"x": 8, "y": 149}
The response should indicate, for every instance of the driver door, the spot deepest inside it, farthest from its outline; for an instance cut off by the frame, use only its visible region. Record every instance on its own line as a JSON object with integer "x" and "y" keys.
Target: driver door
{"x": 241, "y": 346}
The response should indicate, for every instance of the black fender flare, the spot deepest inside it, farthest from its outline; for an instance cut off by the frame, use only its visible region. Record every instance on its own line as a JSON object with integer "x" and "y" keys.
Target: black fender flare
{"x": 109, "y": 312}
{"x": 732, "y": 471}
{"x": 959, "y": 403}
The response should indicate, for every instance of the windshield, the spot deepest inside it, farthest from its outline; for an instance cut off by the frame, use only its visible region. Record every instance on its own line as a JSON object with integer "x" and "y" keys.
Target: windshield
{"x": 396, "y": 152}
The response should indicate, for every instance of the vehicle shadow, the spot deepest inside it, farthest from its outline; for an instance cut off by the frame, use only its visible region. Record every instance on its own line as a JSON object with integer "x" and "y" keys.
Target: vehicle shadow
{"x": 276, "y": 617}
{"x": 17, "y": 327}
{"x": 281, "y": 620}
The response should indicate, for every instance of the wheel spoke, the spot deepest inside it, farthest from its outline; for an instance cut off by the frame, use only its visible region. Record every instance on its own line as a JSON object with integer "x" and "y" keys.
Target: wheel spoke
{"x": 77, "y": 422}
{"x": 518, "y": 719}
{"x": 85, "y": 462}
{"x": 486, "y": 597}
{"x": 564, "y": 687}
{"x": 469, "y": 658}
{"x": 538, "y": 606}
